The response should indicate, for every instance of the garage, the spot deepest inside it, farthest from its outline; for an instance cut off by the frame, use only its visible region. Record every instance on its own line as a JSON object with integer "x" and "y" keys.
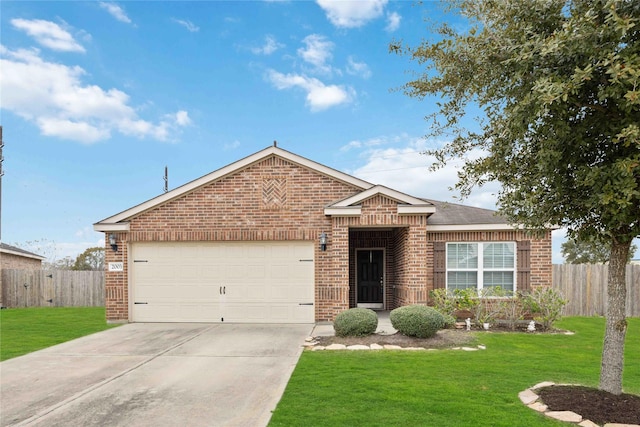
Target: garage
{"x": 236, "y": 282}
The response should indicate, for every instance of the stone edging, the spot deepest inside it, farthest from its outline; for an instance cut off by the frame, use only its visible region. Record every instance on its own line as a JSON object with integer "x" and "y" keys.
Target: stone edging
{"x": 311, "y": 344}
{"x": 532, "y": 400}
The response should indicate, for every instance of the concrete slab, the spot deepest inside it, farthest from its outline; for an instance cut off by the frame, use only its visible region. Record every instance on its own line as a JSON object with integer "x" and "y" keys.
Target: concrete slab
{"x": 155, "y": 374}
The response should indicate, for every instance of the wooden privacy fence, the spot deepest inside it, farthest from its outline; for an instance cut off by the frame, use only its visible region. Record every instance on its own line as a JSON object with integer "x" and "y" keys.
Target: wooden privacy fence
{"x": 585, "y": 286}
{"x": 54, "y": 288}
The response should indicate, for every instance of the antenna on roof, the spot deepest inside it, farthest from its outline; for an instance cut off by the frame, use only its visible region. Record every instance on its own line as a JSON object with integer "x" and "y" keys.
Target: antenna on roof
{"x": 166, "y": 179}
{"x": 275, "y": 143}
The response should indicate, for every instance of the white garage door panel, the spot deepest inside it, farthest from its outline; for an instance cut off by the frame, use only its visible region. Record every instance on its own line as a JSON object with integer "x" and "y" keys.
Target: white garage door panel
{"x": 260, "y": 282}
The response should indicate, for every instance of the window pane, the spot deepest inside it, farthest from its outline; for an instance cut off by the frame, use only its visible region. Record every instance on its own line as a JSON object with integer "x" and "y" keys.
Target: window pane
{"x": 504, "y": 279}
{"x": 462, "y": 279}
{"x": 462, "y": 255}
{"x": 498, "y": 255}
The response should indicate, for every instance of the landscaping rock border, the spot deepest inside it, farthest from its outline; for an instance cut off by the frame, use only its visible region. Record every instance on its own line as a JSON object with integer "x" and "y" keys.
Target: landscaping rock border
{"x": 530, "y": 398}
{"x": 311, "y": 344}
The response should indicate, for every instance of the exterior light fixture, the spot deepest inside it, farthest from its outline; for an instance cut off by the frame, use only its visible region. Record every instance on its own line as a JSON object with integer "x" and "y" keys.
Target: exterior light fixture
{"x": 323, "y": 241}
{"x": 113, "y": 242}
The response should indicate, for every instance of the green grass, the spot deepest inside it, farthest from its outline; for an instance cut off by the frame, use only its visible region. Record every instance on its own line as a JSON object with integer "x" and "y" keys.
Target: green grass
{"x": 447, "y": 387}
{"x": 23, "y": 330}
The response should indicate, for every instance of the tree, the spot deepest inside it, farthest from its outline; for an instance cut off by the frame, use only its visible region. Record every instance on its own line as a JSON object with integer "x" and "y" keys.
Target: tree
{"x": 590, "y": 251}
{"x": 90, "y": 259}
{"x": 558, "y": 85}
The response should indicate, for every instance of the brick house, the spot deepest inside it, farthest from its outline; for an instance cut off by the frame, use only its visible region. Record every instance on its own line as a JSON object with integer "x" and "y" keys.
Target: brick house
{"x": 278, "y": 238}
{"x": 12, "y": 258}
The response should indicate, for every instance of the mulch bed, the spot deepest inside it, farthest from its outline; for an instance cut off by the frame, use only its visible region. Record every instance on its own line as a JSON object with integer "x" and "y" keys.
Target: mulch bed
{"x": 596, "y": 405}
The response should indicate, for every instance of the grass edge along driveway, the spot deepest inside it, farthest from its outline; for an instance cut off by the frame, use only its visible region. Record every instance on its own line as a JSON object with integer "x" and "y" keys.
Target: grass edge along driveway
{"x": 24, "y": 330}
{"x": 449, "y": 387}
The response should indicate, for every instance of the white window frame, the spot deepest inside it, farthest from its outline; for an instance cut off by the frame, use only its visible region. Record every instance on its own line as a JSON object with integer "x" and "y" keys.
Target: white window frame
{"x": 480, "y": 268}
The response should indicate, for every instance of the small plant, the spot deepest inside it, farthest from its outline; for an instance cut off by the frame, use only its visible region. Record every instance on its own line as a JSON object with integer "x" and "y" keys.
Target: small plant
{"x": 467, "y": 300}
{"x": 443, "y": 301}
{"x": 417, "y": 320}
{"x": 355, "y": 322}
{"x": 488, "y": 308}
{"x": 545, "y": 304}
{"x": 511, "y": 309}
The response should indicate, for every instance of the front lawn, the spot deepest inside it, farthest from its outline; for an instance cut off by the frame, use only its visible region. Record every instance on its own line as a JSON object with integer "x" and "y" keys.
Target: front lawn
{"x": 447, "y": 387}
{"x": 23, "y": 330}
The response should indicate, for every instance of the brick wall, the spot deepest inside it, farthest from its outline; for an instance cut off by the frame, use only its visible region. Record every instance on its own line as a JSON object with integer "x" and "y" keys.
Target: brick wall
{"x": 273, "y": 199}
{"x": 11, "y": 261}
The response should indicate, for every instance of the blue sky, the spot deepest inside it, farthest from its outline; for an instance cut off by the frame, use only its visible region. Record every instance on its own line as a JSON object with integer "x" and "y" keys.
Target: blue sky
{"x": 98, "y": 97}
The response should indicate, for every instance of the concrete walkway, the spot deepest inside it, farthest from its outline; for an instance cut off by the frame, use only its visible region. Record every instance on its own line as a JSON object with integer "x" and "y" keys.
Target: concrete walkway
{"x": 154, "y": 374}
{"x": 325, "y": 329}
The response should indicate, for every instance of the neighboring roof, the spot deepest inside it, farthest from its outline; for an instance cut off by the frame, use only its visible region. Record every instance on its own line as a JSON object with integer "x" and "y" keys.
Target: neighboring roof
{"x": 115, "y": 222}
{"x": 8, "y": 249}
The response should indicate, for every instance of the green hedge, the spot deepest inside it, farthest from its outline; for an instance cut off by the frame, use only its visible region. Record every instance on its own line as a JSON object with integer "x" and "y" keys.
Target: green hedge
{"x": 417, "y": 320}
{"x": 355, "y": 322}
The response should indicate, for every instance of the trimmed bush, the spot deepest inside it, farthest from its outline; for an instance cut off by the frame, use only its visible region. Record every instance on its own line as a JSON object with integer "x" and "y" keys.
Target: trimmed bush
{"x": 417, "y": 320}
{"x": 355, "y": 322}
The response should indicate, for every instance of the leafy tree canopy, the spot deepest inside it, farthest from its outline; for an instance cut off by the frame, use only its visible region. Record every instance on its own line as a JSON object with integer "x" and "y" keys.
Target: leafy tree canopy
{"x": 90, "y": 259}
{"x": 559, "y": 83}
{"x": 590, "y": 251}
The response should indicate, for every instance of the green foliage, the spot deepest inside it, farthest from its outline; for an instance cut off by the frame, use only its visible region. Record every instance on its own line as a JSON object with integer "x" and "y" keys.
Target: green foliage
{"x": 448, "y": 388}
{"x": 589, "y": 251}
{"x": 355, "y": 322}
{"x": 23, "y": 330}
{"x": 417, "y": 320}
{"x": 90, "y": 259}
{"x": 546, "y": 306}
{"x": 558, "y": 86}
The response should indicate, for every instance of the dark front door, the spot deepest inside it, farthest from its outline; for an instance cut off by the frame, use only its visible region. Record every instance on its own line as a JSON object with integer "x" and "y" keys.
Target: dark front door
{"x": 370, "y": 278}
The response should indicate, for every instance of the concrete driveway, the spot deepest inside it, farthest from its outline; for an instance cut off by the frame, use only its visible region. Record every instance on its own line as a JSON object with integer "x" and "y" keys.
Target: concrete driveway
{"x": 154, "y": 374}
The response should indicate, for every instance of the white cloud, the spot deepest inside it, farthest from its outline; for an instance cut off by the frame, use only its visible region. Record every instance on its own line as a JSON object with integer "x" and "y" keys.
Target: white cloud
{"x": 116, "y": 11}
{"x": 270, "y": 45}
{"x": 356, "y": 68}
{"x": 404, "y": 168}
{"x": 393, "y": 22}
{"x": 352, "y": 13}
{"x": 231, "y": 145}
{"x": 54, "y": 97}
{"x": 48, "y": 34}
{"x": 319, "y": 96}
{"x": 190, "y": 26}
{"x": 317, "y": 52}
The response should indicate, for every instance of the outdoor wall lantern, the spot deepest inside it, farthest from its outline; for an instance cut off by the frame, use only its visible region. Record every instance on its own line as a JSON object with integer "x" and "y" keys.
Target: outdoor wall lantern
{"x": 323, "y": 241}
{"x": 113, "y": 242}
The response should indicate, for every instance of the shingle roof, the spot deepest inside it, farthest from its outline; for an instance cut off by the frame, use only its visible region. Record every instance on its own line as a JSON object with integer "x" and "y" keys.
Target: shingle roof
{"x": 454, "y": 214}
{"x": 17, "y": 251}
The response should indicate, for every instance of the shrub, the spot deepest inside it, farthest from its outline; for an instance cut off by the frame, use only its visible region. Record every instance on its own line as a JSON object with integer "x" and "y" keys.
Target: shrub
{"x": 545, "y": 304}
{"x": 417, "y": 320}
{"x": 355, "y": 322}
{"x": 443, "y": 301}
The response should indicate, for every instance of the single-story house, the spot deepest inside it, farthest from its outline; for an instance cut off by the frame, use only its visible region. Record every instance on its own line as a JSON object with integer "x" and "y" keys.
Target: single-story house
{"x": 278, "y": 238}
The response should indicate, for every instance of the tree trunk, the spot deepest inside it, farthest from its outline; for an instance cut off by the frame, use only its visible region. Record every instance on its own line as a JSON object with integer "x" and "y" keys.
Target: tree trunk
{"x": 616, "y": 329}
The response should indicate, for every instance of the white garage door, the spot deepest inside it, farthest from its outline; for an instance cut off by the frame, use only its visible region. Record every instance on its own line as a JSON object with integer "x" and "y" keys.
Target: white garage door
{"x": 266, "y": 282}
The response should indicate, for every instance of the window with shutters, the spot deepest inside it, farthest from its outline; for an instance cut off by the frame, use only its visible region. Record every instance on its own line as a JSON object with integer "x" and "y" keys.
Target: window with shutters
{"x": 481, "y": 265}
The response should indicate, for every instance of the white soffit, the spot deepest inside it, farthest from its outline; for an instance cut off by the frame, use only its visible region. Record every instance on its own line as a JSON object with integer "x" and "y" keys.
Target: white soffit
{"x": 227, "y": 170}
{"x": 106, "y": 227}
